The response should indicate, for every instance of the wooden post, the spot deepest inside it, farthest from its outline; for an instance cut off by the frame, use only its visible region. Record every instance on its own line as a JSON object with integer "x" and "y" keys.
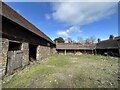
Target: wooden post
{"x": 92, "y": 51}
{"x": 95, "y": 52}
{"x": 65, "y": 51}
{"x": 119, "y": 52}
{"x": 74, "y": 51}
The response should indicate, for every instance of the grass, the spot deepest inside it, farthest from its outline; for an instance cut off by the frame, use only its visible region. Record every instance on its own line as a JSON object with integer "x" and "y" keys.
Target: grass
{"x": 96, "y": 57}
{"x": 85, "y": 71}
{"x": 58, "y": 61}
{"x": 24, "y": 76}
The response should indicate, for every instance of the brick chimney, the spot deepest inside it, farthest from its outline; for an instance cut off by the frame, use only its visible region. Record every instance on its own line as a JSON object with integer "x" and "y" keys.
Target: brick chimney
{"x": 99, "y": 40}
{"x": 111, "y": 37}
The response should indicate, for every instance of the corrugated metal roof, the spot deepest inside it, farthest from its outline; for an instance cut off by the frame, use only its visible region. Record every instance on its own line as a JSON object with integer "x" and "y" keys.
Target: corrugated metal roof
{"x": 12, "y": 15}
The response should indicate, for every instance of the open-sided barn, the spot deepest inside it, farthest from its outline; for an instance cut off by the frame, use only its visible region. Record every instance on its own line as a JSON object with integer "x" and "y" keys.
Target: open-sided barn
{"x": 73, "y": 48}
{"x": 106, "y": 47}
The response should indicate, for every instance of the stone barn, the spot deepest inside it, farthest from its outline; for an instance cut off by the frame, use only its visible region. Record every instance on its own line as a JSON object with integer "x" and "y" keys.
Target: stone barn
{"x": 21, "y": 41}
{"x": 109, "y": 47}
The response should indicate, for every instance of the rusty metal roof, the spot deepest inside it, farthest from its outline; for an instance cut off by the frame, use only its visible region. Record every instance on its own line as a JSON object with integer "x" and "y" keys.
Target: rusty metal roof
{"x": 74, "y": 46}
{"x": 12, "y": 15}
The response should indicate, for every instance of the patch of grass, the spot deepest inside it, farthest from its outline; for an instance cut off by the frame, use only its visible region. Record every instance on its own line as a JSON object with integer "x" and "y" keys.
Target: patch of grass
{"x": 96, "y": 57}
{"x": 53, "y": 82}
{"x": 24, "y": 76}
{"x": 59, "y": 61}
{"x": 68, "y": 71}
{"x": 28, "y": 74}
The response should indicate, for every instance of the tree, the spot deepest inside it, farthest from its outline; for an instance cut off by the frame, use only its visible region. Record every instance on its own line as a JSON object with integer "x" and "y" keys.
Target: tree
{"x": 69, "y": 40}
{"x": 80, "y": 40}
{"x": 59, "y": 40}
{"x": 90, "y": 40}
{"x": 93, "y": 39}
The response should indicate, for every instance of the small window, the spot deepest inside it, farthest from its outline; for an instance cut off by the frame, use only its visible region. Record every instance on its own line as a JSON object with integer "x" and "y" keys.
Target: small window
{"x": 14, "y": 46}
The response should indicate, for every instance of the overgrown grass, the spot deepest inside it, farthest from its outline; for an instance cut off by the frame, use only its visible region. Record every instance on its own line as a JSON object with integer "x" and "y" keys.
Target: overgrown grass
{"x": 66, "y": 71}
{"x": 58, "y": 61}
{"x": 96, "y": 57}
{"x": 26, "y": 75}
{"x": 23, "y": 77}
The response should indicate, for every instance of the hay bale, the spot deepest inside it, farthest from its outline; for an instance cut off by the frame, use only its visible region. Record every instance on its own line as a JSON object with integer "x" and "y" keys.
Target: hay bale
{"x": 78, "y": 53}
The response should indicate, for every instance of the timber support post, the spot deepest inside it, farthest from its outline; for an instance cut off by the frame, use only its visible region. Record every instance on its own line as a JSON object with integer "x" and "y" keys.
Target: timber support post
{"x": 65, "y": 51}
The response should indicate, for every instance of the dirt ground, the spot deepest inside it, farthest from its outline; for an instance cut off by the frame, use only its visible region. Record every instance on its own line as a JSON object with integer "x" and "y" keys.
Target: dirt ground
{"x": 70, "y": 71}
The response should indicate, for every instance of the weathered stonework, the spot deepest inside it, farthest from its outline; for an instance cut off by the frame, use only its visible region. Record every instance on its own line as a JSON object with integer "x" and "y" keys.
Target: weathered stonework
{"x": 25, "y": 57}
{"x": 53, "y": 51}
{"x": 5, "y": 46}
{"x": 39, "y": 55}
{"x": 42, "y": 52}
{"x": 0, "y": 52}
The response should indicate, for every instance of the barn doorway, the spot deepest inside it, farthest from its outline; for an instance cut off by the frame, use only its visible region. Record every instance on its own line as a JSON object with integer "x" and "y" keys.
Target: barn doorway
{"x": 32, "y": 52}
{"x": 14, "y": 57}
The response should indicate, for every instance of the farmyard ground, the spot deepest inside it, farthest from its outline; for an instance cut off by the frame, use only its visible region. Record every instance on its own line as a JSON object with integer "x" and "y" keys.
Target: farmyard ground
{"x": 70, "y": 71}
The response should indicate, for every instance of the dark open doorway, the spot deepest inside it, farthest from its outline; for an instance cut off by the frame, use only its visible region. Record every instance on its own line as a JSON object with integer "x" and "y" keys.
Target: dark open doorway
{"x": 32, "y": 52}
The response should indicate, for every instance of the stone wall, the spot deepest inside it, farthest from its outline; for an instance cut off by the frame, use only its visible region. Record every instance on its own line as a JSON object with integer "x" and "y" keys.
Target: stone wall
{"x": 53, "y": 51}
{"x": 14, "y": 59}
{"x": 43, "y": 52}
{"x": 25, "y": 57}
{"x": 0, "y": 52}
{"x": 5, "y": 46}
{"x": 3, "y": 59}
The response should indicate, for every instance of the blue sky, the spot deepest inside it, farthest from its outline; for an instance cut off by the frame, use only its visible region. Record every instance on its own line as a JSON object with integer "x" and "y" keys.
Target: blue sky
{"x": 71, "y": 19}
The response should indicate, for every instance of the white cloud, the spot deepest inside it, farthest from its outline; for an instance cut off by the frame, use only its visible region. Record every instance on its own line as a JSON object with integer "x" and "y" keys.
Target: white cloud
{"x": 83, "y": 12}
{"x": 67, "y": 32}
{"x": 47, "y": 16}
{"x": 62, "y": 33}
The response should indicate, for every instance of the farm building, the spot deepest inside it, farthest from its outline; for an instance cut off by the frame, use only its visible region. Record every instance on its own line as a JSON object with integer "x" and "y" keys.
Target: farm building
{"x": 73, "y": 48}
{"x": 22, "y": 42}
{"x": 109, "y": 47}
{"x": 106, "y": 47}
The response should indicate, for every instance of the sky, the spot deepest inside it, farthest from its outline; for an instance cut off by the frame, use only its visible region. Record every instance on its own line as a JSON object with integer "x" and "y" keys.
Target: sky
{"x": 71, "y": 19}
